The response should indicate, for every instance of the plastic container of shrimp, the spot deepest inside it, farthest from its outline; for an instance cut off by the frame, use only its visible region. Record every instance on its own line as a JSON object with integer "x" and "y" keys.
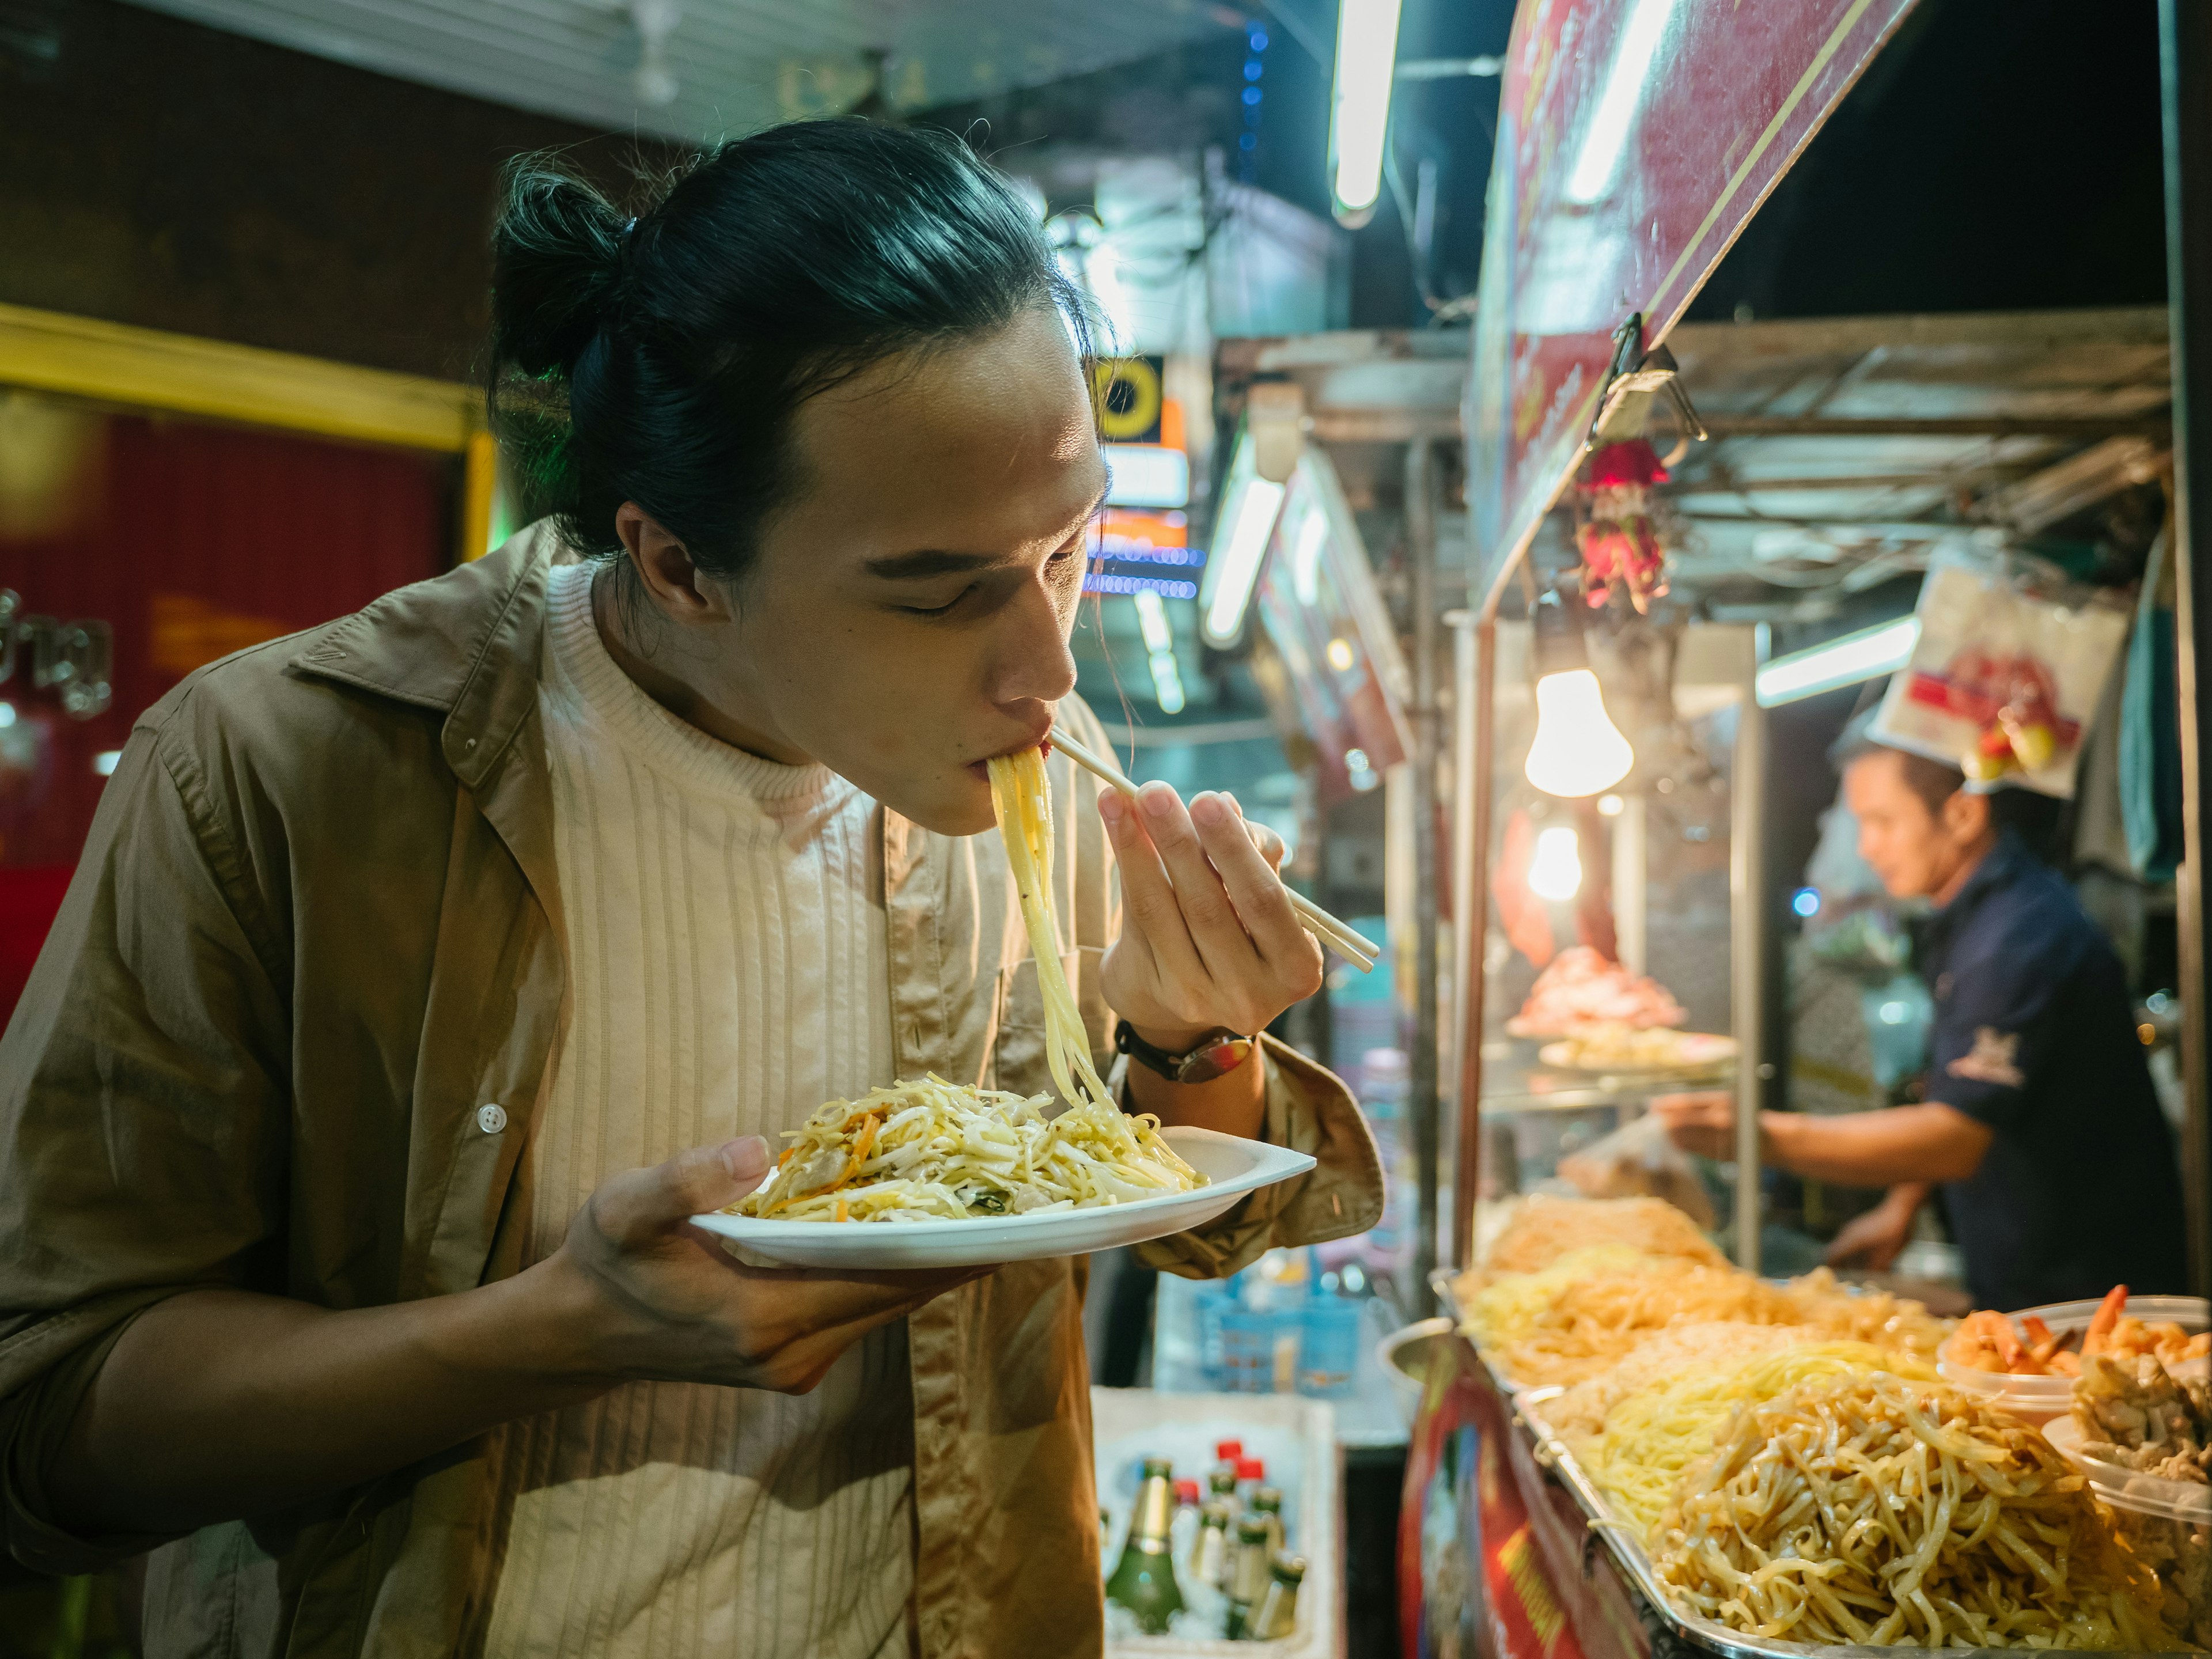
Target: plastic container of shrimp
{"x": 2036, "y": 1399}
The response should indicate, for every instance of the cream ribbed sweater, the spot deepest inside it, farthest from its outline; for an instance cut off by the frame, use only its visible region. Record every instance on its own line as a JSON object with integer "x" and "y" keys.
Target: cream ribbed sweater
{"x": 728, "y": 974}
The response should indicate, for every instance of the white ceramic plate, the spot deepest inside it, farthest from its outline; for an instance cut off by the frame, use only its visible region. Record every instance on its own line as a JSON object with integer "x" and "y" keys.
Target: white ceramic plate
{"x": 1232, "y": 1168}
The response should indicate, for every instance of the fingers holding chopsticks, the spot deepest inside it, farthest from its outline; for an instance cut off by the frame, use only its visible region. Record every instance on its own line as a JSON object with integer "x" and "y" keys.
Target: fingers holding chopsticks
{"x": 1209, "y": 910}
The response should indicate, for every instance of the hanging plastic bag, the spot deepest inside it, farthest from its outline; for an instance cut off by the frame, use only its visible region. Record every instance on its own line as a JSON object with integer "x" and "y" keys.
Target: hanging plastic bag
{"x": 1638, "y": 1160}
{"x": 2009, "y": 668}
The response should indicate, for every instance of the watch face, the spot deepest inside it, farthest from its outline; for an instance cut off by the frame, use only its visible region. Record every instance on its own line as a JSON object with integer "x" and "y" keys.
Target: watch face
{"x": 1216, "y": 1059}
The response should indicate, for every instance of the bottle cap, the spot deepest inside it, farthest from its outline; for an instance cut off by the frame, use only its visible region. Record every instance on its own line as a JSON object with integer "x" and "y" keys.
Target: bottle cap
{"x": 1228, "y": 1451}
{"x": 1267, "y": 1499}
{"x": 1158, "y": 1468}
{"x": 1289, "y": 1569}
{"x": 1251, "y": 1468}
{"x": 1253, "y": 1529}
{"x": 1186, "y": 1492}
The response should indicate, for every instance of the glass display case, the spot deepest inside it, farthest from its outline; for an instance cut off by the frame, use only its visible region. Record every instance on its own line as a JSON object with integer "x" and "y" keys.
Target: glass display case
{"x": 1620, "y": 958}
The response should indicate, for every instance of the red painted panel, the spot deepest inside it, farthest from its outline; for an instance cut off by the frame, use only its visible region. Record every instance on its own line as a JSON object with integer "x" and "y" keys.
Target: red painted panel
{"x": 1635, "y": 140}
{"x": 191, "y": 540}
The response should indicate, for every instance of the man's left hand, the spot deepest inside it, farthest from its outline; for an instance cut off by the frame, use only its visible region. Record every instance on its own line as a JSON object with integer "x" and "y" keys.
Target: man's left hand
{"x": 1208, "y": 936}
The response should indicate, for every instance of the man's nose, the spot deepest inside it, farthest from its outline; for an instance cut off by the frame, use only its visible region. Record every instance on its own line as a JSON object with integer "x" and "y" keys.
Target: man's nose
{"x": 1035, "y": 663}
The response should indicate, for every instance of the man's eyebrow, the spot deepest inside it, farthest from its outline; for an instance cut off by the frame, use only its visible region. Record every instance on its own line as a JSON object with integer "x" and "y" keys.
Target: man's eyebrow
{"x": 937, "y": 561}
{"x": 928, "y": 561}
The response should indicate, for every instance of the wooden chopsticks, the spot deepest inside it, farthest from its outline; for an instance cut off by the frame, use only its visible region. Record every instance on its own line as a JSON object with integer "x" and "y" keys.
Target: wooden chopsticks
{"x": 1354, "y": 946}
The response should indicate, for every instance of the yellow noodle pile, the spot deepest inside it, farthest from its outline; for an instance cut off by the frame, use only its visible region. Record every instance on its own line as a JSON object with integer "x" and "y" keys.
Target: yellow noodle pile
{"x": 1582, "y": 1410}
{"x": 1572, "y": 1331}
{"x": 1867, "y": 1509}
{"x": 1652, "y": 1436}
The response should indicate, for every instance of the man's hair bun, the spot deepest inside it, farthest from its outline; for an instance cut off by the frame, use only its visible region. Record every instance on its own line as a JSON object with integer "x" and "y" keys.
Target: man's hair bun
{"x": 556, "y": 268}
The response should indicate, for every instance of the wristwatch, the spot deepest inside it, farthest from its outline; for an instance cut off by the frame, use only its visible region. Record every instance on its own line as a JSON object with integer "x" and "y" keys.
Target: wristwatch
{"x": 1216, "y": 1053}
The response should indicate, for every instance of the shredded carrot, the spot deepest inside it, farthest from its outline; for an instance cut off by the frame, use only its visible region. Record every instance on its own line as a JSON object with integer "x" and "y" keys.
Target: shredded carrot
{"x": 787, "y": 1154}
{"x": 861, "y": 1143}
{"x": 841, "y": 1209}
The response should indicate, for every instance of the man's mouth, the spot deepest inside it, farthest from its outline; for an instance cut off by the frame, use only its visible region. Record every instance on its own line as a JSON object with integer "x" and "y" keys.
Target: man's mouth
{"x": 981, "y": 768}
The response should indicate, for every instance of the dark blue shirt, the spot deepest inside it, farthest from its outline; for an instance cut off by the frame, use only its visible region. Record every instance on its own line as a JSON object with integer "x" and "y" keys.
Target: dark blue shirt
{"x": 2035, "y": 1036}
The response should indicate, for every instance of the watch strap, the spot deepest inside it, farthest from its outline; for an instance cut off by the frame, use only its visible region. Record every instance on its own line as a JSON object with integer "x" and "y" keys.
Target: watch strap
{"x": 1216, "y": 1053}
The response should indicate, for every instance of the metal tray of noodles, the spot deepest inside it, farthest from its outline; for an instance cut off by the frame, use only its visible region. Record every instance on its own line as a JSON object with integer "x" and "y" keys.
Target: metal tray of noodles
{"x": 1623, "y": 1542}
{"x": 1440, "y": 1281}
{"x": 1626, "y": 1547}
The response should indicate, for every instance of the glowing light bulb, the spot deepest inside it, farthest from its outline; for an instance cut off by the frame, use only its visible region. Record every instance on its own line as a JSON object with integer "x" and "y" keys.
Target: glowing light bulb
{"x": 1556, "y": 871}
{"x": 1577, "y": 751}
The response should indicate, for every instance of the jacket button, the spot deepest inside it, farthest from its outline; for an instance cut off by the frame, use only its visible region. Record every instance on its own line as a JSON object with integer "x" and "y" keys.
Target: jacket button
{"x": 492, "y": 1119}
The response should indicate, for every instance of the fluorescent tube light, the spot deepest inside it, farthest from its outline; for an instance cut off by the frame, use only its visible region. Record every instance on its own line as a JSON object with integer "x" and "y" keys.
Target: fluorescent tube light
{"x": 1249, "y": 504}
{"x": 1359, "y": 110}
{"x": 1153, "y": 619}
{"x": 1846, "y": 660}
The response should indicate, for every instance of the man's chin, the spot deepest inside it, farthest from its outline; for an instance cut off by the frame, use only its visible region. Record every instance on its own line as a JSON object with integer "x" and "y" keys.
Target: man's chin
{"x": 956, "y": 806}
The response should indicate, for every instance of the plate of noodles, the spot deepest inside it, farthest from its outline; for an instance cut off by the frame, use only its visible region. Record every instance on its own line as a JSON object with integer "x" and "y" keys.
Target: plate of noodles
{"x": 932, "y": 1174}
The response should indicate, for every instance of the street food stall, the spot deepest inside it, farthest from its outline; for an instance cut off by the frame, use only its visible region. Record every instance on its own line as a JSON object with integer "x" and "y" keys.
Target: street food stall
{"x": 1685, "y": 541}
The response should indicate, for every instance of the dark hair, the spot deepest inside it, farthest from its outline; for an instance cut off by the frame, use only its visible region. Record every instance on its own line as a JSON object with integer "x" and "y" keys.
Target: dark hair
{"x": 660, "y": 359}
{"x": 1933, "y": 781}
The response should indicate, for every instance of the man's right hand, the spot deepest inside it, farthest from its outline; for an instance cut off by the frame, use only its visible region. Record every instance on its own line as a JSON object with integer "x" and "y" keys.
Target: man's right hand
{"x": 1877, "y": 1238}
{"x": 664, "y": 1301}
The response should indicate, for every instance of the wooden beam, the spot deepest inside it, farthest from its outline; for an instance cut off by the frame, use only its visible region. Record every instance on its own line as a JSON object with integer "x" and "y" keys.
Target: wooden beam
{"x": 2085, "y": 428}
{"x": 145, "y": 368}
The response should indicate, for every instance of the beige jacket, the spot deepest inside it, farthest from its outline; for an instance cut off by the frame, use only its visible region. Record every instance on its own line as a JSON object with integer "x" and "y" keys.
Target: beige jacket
{"x": 316, "y": 927}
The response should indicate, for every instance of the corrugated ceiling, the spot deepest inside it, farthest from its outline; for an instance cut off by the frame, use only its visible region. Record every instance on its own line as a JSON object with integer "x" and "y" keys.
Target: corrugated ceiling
{"x": 737, "y": 62}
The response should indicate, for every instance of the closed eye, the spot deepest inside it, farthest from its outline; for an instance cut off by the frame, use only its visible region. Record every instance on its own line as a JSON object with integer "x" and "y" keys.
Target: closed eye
{"x": 937, "y": 610}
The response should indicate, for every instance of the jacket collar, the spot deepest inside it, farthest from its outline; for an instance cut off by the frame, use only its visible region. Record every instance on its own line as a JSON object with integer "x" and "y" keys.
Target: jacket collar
{"x": 465, "y": 644}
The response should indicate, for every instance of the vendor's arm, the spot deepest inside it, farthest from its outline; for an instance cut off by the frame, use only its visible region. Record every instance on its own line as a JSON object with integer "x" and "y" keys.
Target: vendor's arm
{"x": 1929, "y": 1142}
{"x": 1208, "y": 940}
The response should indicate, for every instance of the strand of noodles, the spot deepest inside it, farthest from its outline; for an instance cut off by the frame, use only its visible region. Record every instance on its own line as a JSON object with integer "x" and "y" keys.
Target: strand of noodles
{"x": 1652, "y": 1436}
{"x": 1021, "y": 795}
{"x": 1868, "y": 1510}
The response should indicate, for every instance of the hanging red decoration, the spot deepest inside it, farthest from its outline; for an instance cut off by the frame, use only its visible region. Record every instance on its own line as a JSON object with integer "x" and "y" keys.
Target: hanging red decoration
{"x": 1619, "y": 544}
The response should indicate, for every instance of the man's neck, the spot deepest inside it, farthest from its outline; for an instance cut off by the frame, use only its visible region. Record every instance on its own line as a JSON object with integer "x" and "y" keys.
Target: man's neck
{"x": 1959, "y": 877}
{"x": 670, "y": 690}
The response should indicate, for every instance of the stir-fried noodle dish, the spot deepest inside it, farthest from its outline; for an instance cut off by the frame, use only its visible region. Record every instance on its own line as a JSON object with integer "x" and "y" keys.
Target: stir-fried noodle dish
{"x": 933, "y": 1151}
{"x": 1790, "y": 1459}
{"x": 1870, "y": 1510}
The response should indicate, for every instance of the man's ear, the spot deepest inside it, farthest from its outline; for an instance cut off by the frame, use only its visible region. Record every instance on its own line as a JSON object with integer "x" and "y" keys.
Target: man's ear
{"x": 1966, "y": 816}
{"x": 665, "y": 566}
